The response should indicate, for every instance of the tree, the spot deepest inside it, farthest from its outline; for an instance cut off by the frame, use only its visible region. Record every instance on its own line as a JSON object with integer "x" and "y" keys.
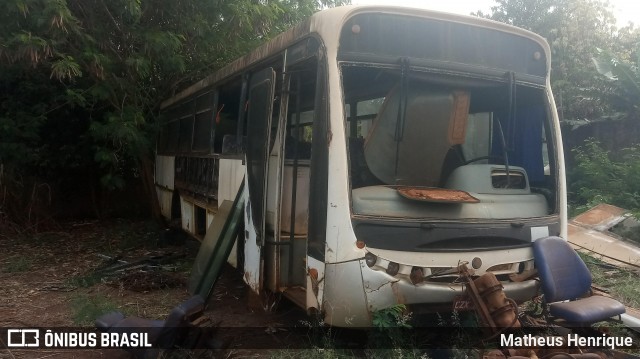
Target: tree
{"x": 625, "y": 75}
{"x": 114, "y": 62}
{"x": 599, "y": 170}
{"x": 573, "y": 28}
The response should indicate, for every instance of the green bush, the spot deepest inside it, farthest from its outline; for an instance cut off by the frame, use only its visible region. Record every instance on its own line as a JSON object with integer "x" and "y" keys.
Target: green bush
{"x": 598, "y": 177}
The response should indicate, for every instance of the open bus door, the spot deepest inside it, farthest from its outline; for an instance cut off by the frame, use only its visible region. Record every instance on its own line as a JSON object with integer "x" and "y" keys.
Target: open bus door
{"x": 260, "y": 106}
{"x": 302, "y": 215}
{"x": 286, "y": 213}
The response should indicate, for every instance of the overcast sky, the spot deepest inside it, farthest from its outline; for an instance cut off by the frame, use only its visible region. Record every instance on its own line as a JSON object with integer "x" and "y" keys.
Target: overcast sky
{"x": 624, "y": 10}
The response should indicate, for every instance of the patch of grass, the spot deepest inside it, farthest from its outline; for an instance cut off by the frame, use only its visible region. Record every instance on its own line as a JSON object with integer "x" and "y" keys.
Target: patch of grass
{"x": 86, "y": 281}
{"x": 17, "y": 264}
{"x": 87, "y": 308}
{"x": 315, "y": 353}
{"x": 617, "y": 329}
{"x": 394, "y": 335}
{"x": 184, "y": 266}
{"x": 624, "y": 285}
{"x": 125, "y": 235}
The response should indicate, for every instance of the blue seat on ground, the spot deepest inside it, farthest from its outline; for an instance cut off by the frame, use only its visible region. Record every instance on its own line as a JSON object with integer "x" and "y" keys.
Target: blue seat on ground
{"x": 162, "y": 334}
{"x": 565, "y": 280}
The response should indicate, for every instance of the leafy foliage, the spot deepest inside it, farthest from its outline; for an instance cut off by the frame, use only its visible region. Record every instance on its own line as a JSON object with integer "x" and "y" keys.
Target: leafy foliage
{"x": 625, "y": 74}
{"x": 573, "y": 29}
{"x": 101, "y": 68}
{"x": 603, "y": 90}
{"x": 599, "y": 178}
{"x": 392, "y": 317}
{"x": 391, "y": 335}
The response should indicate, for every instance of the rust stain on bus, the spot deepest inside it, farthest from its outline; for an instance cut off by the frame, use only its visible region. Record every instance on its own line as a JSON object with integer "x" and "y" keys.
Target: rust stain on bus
{"x": 395, "y": 288}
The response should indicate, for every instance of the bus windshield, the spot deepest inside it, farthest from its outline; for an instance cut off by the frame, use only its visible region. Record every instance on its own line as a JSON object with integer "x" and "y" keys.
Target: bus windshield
{"x": 428, "y": 145}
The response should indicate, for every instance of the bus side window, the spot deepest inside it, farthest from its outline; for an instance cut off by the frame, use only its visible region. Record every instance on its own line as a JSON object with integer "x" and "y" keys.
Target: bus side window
{"x": 299, "y": 137}
{"x": 204, "y": 123}
{"x": 226, "y": 118}
{"x": 297, "y": 147}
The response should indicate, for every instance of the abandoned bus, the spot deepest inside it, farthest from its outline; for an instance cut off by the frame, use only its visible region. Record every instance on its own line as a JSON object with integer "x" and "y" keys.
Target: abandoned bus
{"x": 380, "y": 148}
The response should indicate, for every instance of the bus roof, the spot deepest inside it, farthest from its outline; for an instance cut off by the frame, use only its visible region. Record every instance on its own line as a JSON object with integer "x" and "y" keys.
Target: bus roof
{"x": 328, "y": 24}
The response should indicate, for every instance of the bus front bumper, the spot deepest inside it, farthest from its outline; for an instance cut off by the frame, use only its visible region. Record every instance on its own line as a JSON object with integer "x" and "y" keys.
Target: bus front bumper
{"x": 382, "y": 290}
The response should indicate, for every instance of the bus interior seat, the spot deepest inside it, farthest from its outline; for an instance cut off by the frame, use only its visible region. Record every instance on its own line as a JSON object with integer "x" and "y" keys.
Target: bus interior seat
{"x": 452, "y": 160}
{"x": 432, "y": 120}
{"x": 565, "y": 280}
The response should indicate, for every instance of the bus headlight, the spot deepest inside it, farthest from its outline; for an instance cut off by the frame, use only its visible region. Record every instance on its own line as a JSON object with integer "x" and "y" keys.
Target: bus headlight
{"x": 417, "y": 275}
{"x": 393, "y": 268}
{"x": 370, "y": 259}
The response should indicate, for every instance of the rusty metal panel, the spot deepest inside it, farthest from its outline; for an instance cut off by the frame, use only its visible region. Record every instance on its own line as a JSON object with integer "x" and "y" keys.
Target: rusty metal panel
{"x": 602, "y": 217}
{"x": 315, "y": 283}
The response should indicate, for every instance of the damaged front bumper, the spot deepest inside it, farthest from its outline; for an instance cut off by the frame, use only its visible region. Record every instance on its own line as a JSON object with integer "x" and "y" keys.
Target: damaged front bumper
{"x": 383, "y": 290}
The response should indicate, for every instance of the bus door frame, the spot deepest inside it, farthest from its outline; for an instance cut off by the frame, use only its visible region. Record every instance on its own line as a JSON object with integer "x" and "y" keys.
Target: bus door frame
{"x": 255, "y": 211}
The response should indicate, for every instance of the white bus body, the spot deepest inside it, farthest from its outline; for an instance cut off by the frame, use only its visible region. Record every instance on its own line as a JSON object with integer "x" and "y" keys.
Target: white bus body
{"x": 380, "y": 147}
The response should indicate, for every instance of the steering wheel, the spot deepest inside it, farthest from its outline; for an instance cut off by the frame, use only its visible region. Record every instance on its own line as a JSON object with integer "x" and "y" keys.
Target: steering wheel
{"x": 482, "y": 158}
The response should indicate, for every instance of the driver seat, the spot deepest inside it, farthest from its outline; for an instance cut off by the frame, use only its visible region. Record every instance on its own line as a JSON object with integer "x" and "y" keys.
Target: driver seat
{"x": 413, "y": 155}
{"x": 565, "y": 282}
{"x": 452, "y": 160}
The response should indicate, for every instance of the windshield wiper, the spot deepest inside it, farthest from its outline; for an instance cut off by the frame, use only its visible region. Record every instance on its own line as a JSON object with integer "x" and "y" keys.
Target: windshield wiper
{"x": 511, "y": 115}
{"x": 402, "y": 109}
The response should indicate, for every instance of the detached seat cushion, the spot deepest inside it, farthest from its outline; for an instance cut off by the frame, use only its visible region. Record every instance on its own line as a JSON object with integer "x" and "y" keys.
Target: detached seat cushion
{"x": 587, "y": 310}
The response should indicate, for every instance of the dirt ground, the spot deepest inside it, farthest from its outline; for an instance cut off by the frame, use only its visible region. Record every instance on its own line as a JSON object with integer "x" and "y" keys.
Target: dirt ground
{"x": 49, "y": 280}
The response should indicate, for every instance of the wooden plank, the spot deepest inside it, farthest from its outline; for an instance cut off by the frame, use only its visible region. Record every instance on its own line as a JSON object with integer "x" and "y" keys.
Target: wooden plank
{"x": 216, "y": 247}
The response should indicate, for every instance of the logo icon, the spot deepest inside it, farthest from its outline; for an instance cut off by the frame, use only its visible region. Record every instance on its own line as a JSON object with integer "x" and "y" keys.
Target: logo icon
{"x": 23, "y": 338}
